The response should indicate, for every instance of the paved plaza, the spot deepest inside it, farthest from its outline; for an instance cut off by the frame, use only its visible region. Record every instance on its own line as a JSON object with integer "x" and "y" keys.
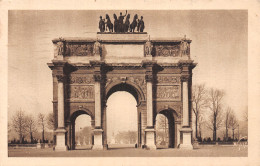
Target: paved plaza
{"x": 201, "y": 151}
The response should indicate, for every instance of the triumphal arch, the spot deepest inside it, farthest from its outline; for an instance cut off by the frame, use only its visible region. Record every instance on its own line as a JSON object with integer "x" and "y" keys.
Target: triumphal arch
{"x": 157, "y": 72}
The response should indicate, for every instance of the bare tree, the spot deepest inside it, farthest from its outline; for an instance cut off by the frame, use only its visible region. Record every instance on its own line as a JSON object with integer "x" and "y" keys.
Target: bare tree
{"x": 50, "y": 121}
{"x": 199, "y": 103}
{"x": 19, "y": 124}
{"x": 200, "y": 124}
{"x": 246, "y": 115}
{"x": 227, "y": 121}
{"x": 42, "y": 122}
{"x": 215, "y": 97}
{"x": 233, "y": 123}
{"x": 30, "y": 126}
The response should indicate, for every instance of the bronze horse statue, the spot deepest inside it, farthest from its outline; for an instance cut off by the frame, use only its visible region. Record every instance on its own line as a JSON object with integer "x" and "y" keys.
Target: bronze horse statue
{"x": 109, "y": 23}
{"x": 133, "y": 24}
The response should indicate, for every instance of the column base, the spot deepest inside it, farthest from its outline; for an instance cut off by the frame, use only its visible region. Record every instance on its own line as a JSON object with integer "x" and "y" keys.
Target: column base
{"x": 150, "y": 141}
{"x": 61, "y": 148}
{"x": 38, "y": 146}
{"x": 188, "y": 147}
{"x": 149, "y": 57}
{"x": 60, "y": 140}
{"x": 98, "y": 145}
{"x": 186, "y": 139}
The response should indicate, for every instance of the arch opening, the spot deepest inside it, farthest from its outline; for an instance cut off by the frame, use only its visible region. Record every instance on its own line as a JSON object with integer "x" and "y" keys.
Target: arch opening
{"x": 122, "y": 121}
{"x": 124, "y": 87}
{"x": 165, "y": 129}
{"x": 81, "y": 131}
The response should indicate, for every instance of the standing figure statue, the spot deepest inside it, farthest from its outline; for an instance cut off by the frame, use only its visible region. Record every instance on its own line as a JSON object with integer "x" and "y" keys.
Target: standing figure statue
{"x": 60, "y": 48}
{"x": 141, "y": 25}
{"x": 101, "y": 24}
{"x": 138, "y": 25}
{"x": 134, "y": 23}
{"x": 121, "y": 21}
{"x": 116, "y": 26}
{"x": 148, "y": 47}
{"x": 184, "y": 48}
{"x": 127, "y": 23}
{"x": 96, "y": 49}
{"x": 109, "y": 24}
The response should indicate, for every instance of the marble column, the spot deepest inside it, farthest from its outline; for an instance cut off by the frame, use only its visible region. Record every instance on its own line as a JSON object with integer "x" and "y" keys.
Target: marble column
{"x": 98, "y": 132}
{"x": 185, "y": 104}
{"x": 92, "y": 134}
{"x": 186, "y": 131}
{"x": 149, "y": 131}
{"x": 60, "y": 131}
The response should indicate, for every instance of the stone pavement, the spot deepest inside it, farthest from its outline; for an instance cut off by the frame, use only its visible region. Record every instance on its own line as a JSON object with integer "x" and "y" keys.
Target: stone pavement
{"x": 202, "y": 151}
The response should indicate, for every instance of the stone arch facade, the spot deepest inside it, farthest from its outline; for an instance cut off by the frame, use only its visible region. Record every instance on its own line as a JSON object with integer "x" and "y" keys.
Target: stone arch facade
{"x": 83, "y": 79}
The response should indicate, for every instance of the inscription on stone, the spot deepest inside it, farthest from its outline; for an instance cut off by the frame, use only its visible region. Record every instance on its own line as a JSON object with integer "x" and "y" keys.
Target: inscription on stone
{"x": 167, "y": 50}
{"x": 168, "y": 92}
{"x": 81, "y": 92}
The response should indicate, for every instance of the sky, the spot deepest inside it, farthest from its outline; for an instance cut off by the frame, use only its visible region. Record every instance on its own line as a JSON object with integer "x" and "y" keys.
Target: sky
{"x": 219, "y": 46}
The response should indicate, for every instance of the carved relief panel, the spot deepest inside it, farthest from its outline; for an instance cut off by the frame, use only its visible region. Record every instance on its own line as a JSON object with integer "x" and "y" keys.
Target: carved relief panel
{"x": 169, "y": 92}
{"x": 85, "y": 49}
{"x": 168, "y": 79}
{"x": 80, "y": 80}
{"x": 81, "y": 92}
{"x": 80, "y": 88}
{"x": 164, "y": 50}
{"x": 137, "y": 80}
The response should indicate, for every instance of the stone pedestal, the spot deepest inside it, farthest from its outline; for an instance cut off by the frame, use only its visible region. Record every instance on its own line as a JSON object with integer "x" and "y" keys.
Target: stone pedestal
{"x": 150, "y": 139}
{"x": 186, "y": 138}
{"x": 60, "y": 140}
{"x": 98, "y": 139}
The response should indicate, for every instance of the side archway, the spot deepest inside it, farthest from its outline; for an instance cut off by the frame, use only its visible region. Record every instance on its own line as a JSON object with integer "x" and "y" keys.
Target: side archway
{"x": 73, "y": 118}
{"x": 165, "y": 119}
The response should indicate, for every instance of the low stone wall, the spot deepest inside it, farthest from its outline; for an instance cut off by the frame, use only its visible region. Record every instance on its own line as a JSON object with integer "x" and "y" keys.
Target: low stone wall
{"x": 42, "y": 145}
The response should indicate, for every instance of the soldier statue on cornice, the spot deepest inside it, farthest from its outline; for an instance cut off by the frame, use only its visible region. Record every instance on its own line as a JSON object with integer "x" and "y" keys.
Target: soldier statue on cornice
{"x": 96, "y": 49}
{"x": 148, "y": 47}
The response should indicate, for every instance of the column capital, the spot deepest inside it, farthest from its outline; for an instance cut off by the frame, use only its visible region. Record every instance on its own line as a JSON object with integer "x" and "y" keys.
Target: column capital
{"x": 149, "y": 77}
{"x": 60, "y": 77}
{"x": 185, "y": 78}
{"x": 97, "y": 77}
{"x": 96, "y": 63}
{"x": 148, "y": 63}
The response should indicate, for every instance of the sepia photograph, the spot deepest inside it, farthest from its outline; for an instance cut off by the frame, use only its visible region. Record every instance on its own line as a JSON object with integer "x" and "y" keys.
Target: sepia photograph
{"x": 128, "y": 84}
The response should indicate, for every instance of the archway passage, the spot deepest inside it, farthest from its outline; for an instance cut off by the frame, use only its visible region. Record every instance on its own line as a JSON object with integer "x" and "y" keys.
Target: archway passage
{"x": 82, "y": 131}
{"x": 165, "y": 130}
{"x": 122, "y": 119}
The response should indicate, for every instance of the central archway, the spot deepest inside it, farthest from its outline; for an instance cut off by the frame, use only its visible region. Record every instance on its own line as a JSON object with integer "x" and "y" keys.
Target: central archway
{"x": 121, "y": 120}
{"x": 134, "y": 96}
